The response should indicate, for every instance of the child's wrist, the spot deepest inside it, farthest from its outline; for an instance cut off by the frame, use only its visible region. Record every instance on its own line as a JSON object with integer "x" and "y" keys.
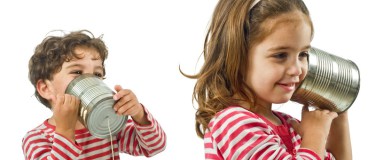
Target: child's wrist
{"x": 315, "y": 142}
{"x": 141, "y": 117}
{"x": 342, "y": 119}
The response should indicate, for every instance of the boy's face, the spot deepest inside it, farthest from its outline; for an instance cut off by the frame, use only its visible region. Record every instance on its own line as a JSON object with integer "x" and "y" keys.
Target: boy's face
{"x": 89, "y": 63}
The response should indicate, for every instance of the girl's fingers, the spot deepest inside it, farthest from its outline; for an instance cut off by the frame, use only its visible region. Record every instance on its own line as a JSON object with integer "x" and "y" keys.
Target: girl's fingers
{"x": 295, "y": 125}
{"x": 333, "y": 114}
{"x": 305, "y": 108}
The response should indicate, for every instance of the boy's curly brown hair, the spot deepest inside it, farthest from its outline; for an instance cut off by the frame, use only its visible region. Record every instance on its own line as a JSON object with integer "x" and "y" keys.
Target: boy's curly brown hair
{"x": 53, "y": 51}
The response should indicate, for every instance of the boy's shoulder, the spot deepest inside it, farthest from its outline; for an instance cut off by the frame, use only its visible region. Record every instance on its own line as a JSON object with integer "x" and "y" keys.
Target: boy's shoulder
{"x": 40, "y": 135}
{"x": 41, "y": 129}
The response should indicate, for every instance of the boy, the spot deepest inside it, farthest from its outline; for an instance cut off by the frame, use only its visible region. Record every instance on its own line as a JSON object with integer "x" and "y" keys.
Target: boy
{"x": 55, "y": 63}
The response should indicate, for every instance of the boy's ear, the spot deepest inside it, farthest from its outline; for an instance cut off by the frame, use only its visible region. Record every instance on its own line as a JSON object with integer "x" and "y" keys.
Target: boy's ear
{"x": 44, "y": 88}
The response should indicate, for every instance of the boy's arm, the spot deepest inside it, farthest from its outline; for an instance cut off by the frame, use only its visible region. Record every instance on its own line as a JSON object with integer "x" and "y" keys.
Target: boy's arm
{"x": 338, "y": 142}
{"x": 142, "y": 135}
{"x": 141, "y": 117}
{"x": 36, "y": 145}
{"x": 137, "y": 139}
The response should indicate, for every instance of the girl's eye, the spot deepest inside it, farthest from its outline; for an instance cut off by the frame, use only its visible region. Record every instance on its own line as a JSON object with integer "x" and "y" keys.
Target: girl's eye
{"x": 280, "y": 55}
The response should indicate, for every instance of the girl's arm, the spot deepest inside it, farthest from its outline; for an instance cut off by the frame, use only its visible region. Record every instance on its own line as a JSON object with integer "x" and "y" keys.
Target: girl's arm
{"x": 235, "y": 133}
{"x": 338, "y": 142}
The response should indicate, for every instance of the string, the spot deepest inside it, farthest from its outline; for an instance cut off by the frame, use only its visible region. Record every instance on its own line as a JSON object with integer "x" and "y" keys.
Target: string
{"x": 112, "y": 147}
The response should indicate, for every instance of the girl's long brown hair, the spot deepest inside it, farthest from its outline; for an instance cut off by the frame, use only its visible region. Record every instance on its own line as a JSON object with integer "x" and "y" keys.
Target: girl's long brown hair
{"x": 234, "y": 29}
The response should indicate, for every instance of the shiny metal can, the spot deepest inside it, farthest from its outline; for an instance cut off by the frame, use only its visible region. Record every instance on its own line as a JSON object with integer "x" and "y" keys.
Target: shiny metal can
{"x": 331, "y": 83}
{"x": 96, "y": 109}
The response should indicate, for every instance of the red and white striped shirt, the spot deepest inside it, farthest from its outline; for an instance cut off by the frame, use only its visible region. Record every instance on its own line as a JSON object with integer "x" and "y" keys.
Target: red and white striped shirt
{"x": 236, "y": 134}
{"x": 43, "y": 143}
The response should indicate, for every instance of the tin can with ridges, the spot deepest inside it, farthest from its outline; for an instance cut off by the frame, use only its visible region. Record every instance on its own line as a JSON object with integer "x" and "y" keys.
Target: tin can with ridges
{"x": 96, "y": 108}
{"x": 331, "y": 83}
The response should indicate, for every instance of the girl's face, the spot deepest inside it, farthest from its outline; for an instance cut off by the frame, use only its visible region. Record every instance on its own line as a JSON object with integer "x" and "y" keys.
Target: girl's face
{"x": 279, "y": 62}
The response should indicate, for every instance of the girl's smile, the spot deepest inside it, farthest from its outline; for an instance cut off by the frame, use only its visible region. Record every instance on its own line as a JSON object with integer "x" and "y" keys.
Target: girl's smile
{"x": 288, "y": 87}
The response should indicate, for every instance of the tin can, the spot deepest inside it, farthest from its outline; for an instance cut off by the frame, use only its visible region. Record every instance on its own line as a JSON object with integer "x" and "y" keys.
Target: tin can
{"x": 331, "y": 83}
{"x": 96, "y": 109}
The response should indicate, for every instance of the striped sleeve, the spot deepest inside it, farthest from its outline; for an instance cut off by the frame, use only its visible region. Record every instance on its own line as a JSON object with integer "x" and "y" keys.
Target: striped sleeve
{"x": 236, "y": 133}
{"x": 37, "y": 146}
{"x": 140, "y": 140}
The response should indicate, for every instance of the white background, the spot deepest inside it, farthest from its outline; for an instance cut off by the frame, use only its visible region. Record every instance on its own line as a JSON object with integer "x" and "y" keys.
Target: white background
{"x": 147, "y": 41}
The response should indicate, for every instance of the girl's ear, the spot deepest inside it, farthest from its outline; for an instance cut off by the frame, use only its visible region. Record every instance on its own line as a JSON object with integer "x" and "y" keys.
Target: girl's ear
{"x": 44, "y": 88}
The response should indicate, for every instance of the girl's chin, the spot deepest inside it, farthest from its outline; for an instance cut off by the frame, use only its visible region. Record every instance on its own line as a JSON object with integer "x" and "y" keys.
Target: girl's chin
{"x": 282, "y": 100}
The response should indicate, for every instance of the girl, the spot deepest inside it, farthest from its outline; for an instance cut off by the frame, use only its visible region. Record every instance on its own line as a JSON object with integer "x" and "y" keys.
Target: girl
{"x": 256, "y": 54}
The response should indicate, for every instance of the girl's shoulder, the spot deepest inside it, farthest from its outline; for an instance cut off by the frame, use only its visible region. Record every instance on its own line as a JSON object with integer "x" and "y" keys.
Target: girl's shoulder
{"x": 237, "y": 110}
{"x": 235, "y": 115}
{"x": 234, "y": 110}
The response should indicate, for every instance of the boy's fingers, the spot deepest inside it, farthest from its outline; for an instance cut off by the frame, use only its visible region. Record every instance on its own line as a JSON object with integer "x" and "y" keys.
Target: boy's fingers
{"x": 67, "y": 99}
{"x": 118, "y": 88}
{"x": 121, "y": 93}
{"x": 117, "y": 95}
{"x": 59, "y": 99}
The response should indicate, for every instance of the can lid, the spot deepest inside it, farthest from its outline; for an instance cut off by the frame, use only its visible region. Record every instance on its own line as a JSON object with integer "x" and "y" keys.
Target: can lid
{"x": 96, "y": 109}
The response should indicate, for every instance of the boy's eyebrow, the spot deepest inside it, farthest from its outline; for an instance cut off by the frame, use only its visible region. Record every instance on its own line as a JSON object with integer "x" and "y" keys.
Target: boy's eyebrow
{"x": 79, "y": 65}
{"x": 99, "y": 67}
{"x": 74, "y": 65}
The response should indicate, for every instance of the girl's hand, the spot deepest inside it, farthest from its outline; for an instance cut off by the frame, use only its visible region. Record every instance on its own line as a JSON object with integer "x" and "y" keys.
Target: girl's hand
{"x": 127, "y": 104}
{"x": 65, "y": 113}
{"x": 314, "y": 129}
{"x": 317, "y": 121}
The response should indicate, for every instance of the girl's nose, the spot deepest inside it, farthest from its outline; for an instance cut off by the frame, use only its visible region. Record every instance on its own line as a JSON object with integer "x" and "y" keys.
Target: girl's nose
{"x": 295, "y": 68}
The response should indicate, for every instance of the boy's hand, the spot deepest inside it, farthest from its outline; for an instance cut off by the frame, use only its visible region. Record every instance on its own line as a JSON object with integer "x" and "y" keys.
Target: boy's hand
{"x": 65, "y": 110}
{"x": 127, "y": 104}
